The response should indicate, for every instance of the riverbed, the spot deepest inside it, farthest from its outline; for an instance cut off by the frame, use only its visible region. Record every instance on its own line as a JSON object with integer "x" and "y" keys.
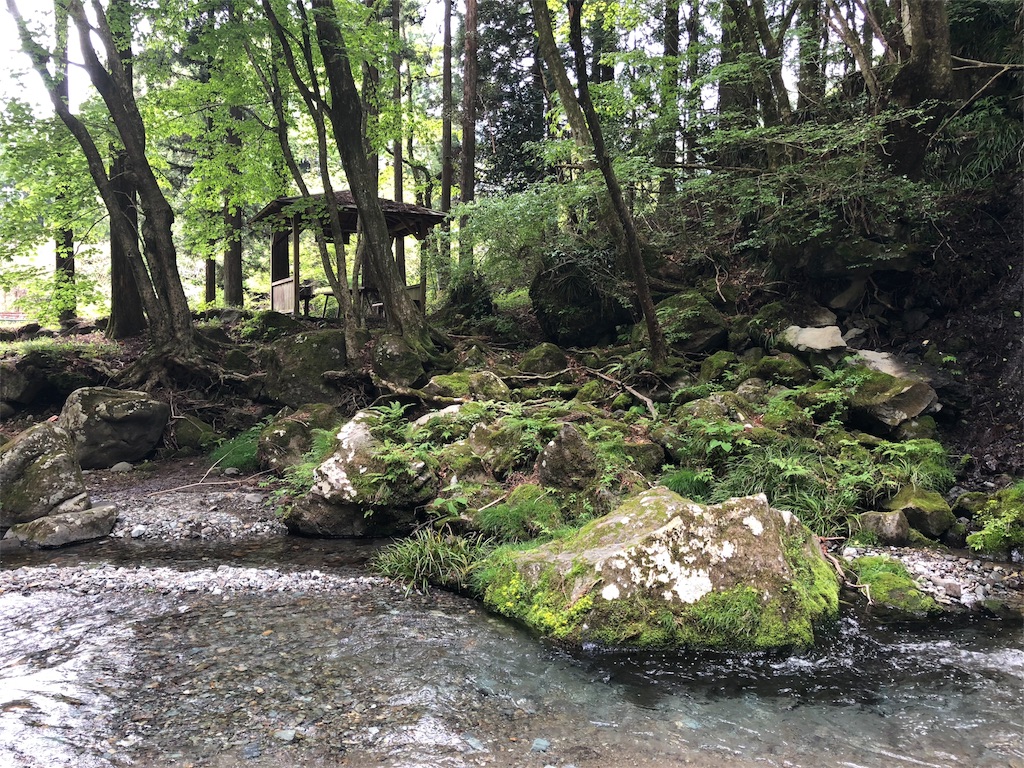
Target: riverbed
{"x": 244, "y": 647}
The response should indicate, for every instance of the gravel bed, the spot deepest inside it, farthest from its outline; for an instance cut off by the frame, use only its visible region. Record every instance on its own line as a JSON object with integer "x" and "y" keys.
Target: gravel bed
{"x": 958, "y": 584}
{"x": 224, "y": 579}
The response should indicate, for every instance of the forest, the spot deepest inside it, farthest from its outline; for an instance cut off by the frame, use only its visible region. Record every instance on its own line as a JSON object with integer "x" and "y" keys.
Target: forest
{"x": 681, "y": 338}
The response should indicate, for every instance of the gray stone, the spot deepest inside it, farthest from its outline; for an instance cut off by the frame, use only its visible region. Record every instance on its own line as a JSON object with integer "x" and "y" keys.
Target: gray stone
{"x": 567, "y": 461}
{"x": 395, "y": 361}
{"x": 540, "y": 745}
{"x": 109, "y": 425}
{"x": 39, "y": 476}
{"x": 67, "y": 528}
{"x": 849, "y": 298}
{"x": 16, "y": 386}
{"x": 891, "y": 528}
{"x": 122, "y": 466}
{"x": 812, "y": 340}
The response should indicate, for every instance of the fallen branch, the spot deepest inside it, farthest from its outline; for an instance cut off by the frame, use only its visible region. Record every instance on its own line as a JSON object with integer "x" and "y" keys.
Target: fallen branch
{"x": 398, "y": 389}
{"x": 642, "y": 398}
{"x": 238, "y": 481}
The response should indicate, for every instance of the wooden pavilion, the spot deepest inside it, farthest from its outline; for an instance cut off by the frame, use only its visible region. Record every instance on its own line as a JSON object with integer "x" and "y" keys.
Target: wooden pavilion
{"x": 289, "y": 216}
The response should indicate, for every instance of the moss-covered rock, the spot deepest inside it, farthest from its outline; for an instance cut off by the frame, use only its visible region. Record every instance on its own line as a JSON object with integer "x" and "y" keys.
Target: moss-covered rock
{"x": 690, "y": 323}
{"x": 926, "y": 511}
{"x": 482, "y": 385}
{"x": 782, "y": 368}
{"x": 528, "y": 512}
{"x": 664, "y": 571}
{"x": 567, "y": 461}
{"x": 365, "y": 481}
{"x": 286, "y": 439}
{"x": 39, "y": 476}
{"x": 716, "y": 365}
{"x": 191, "y": 432}
{"x": 544, "y": 358}
{"x": 295, "y": 367}
{"x": 893, "y": 594}
{"x": 268, "y": 326}
{"x": 887, "y": 401}
{"x": 395, "y": 361}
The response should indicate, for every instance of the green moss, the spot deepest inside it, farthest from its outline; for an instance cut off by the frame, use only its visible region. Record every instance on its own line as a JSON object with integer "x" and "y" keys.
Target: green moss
{"x": 783, "y": 368}
{"x": 892, "y": 589}
{"x": 545, "y": 608}
{"x": 591, "y": 392}
{"x": 529, "y": 512}
{"x": 716, "y": 365}
{"x": 239, "y": 452}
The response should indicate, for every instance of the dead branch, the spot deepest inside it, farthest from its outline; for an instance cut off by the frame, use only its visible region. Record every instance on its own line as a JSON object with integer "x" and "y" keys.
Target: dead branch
{"x": 642, "y": 398}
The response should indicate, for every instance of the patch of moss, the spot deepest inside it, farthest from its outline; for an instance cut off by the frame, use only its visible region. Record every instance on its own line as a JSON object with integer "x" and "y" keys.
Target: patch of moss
{"x": 892, "y": 589}
{"x": 529, "y": 512}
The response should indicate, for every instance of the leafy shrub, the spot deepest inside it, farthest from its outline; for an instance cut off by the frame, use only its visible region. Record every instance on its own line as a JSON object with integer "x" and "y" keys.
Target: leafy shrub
{"x": 1002, "y": 520}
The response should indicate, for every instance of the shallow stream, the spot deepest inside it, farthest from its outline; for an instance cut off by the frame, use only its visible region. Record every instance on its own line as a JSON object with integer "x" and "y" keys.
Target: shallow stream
{"x": 191, "y": 671}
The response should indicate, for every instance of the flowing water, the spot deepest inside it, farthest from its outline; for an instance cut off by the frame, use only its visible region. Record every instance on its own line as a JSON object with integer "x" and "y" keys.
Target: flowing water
{"x": 364, "y": 675}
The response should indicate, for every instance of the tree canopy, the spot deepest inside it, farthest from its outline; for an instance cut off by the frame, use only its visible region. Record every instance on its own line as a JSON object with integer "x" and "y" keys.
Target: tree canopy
{"x": 606, "y": 138}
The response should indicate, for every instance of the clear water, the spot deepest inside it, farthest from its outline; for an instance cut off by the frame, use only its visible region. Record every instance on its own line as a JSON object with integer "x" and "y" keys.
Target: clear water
{"x": 370, "y": 676}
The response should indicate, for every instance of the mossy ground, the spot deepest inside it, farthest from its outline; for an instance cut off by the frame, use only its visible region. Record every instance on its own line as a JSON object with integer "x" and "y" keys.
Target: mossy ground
{"x": 892, "y": 589}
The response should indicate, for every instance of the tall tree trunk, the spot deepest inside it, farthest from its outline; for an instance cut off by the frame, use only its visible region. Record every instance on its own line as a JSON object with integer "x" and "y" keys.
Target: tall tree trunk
{"x": 692, "y": 97}
{"x": 316, "y": 107}
{"x": 233, "y": 221}
{"x": 632, "y": 241}
{"x": 469, "y": 98}
{"x": 811, "y": 85}
{"x": 346, "y": 114}
{"x": 396, "y": 147}
{"x": 64, "y": 265}
{"x": 669, "y": 117}
{"x": 444, "y": 256}
{"x": 127, "y": 316}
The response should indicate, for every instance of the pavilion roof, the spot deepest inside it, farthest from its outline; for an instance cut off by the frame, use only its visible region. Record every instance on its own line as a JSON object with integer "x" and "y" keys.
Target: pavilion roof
{"x": 402, "y": 218}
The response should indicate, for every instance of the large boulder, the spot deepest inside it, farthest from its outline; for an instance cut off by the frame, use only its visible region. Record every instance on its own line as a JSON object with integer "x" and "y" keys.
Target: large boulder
{"x": 567, "y": 461}
{"x": 812, "y": 341}
{"x": 690, "y": 323}
{"x": 295, "y": 367}
{"x": 926, "y": 511}
{"x": 544, "y": 358}
{"x": 108, "y": 426}
{"x": 66, "y": 528}
{"x": 365, "y": 487}
{"x": 887, "y": 401}
{"x": 888, "y": 528}
{"x": 39, "y": 476}
{"x": 664, "y": 571}
{"x": 286, "y": 439}
{"x": 396, "y": 362}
